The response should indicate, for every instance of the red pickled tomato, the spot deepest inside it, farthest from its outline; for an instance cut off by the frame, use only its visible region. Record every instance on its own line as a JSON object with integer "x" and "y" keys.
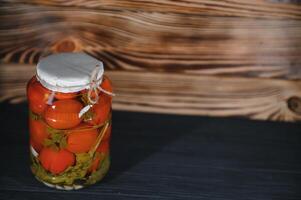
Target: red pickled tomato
{"x": 104, "y": 147}
{"x": 95, "y": 163}
{"x": 100, "y": 111}
{"x": 56, "y": 161}
{"x": 38, "y": 133}
{"x": 60, "y": 95}
{"x": 81, "y": 141}
{"x": 37, "y": 96}
{"x": 63, "y": 114}
{"x": 106, "y": 85}
{"x": 107, "y": 133}
{"x": 102, "y": 108}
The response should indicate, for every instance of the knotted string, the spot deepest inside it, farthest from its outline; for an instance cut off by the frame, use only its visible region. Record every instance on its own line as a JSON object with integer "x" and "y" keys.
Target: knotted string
{"x": 51, "y": 98}
{"x": 94, "y": 87}
{"x": 94, "y": 84}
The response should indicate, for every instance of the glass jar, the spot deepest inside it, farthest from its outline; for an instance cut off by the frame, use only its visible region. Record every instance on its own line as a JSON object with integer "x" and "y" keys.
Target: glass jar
{"x": 69, "y": 121}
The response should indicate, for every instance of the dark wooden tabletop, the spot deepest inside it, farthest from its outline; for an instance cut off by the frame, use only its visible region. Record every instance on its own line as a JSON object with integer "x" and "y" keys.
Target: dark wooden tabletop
{"x": 170, "y": 157}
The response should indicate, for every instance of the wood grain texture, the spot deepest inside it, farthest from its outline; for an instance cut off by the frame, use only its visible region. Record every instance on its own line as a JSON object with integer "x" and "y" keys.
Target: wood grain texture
{"x": 237, "y": 8}
{"x": 199, "y": 57}
{"x": 184, "y": 94}
{"x": 224, "y": 38}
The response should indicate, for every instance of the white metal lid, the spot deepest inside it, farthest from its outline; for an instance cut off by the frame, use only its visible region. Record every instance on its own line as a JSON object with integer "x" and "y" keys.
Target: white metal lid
{"x": 68, "y": 72}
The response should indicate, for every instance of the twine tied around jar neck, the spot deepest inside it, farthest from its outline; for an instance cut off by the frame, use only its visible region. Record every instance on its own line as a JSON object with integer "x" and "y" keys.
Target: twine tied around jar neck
{"x": 94, "y": 87}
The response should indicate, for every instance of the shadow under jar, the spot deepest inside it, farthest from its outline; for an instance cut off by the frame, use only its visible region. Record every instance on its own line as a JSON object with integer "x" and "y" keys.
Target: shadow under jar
{"x": 69, "y": 121}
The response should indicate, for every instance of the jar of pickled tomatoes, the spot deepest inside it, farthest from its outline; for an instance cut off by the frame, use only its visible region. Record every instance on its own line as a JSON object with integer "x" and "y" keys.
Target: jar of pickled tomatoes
{"x": 69, "y": 121}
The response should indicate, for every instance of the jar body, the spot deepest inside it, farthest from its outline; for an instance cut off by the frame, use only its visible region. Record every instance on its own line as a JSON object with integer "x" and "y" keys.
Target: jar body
{"x": 69, "y": 150}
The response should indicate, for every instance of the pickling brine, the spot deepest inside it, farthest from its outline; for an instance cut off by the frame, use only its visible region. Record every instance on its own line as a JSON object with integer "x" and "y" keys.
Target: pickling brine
{"x": 69, "y": 121}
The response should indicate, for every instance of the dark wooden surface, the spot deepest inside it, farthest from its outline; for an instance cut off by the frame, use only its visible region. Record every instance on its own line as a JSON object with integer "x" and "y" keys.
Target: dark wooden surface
{"x": 170, "y": 157}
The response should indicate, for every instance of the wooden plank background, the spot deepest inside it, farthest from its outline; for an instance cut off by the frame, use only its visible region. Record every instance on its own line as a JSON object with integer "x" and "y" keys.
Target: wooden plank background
{"x": 201, "y": 57}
